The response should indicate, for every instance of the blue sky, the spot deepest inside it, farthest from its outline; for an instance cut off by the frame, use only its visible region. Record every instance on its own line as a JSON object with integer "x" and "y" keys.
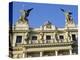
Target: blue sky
{"x": 44, "y": 12}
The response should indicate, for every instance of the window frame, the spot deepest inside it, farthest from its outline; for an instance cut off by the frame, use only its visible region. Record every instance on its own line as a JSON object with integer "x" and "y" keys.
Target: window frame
{"x": 48, "y": 37}
{"x": 73, "y": 38}
{"x": 62, "y": 37}
{"x": 18, "y": 39}
{"x": 34, "y": 38}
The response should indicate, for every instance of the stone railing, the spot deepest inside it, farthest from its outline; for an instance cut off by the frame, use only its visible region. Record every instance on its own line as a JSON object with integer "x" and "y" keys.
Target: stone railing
{"x": 16, "y": 48}
{"x": 47, "y": 41}
{"x": 32, "y": 42}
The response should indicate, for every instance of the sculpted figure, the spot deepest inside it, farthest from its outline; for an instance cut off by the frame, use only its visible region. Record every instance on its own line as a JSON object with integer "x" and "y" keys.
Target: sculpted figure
{"x": 68, "y": 16}
{"x": 25, "y": 14}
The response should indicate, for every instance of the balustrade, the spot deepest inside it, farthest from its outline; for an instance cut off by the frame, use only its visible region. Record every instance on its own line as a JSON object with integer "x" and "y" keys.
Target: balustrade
{"x": 47, "y": 41}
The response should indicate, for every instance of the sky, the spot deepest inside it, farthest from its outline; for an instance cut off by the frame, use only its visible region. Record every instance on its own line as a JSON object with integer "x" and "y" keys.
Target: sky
{"x": 43, "y": 12}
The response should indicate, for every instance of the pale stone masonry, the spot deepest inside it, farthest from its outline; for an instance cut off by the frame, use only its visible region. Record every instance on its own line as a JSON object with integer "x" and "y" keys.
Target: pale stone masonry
{"x": 47, "y": 40}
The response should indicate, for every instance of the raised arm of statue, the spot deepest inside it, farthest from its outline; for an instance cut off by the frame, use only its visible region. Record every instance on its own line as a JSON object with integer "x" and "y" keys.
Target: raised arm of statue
{"x": 28, "y": 12}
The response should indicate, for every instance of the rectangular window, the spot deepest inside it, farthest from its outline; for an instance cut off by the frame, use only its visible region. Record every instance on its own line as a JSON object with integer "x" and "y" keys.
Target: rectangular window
{"x": 73, "y": 37}
{"x": 48, "y": 37}
{"x": 34, "y": 37}
{"x": 61, "y": 37}
{"x": 18, "y": 39}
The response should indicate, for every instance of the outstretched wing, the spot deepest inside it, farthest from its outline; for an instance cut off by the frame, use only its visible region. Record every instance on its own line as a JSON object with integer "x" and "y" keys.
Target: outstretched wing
{"x": 62, "y": 10}
{"x": 70, "y": 13}
{"x": 28, "y": 11}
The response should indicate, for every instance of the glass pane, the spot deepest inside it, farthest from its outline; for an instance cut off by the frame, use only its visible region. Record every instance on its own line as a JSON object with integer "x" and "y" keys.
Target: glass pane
{"x": 34, "y": 37}
{"x": 61, "y": 37}
{"x": 18, "y": 39}
{"x": 48, "y": 37}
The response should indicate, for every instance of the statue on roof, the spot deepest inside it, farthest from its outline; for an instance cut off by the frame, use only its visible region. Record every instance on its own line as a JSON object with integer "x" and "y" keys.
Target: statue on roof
{"x": 25, "y": 14}
{"x": 68, "y": 16}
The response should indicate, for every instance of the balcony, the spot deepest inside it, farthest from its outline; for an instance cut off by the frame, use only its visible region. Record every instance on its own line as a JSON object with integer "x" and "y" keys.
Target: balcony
{"x": 47, "y": 41}
{"x": 39, "y": 41}
{"x": 42, "y": 43}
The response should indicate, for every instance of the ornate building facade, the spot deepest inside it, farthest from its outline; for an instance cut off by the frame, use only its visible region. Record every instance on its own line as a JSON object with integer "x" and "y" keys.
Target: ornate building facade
{"x": 47, "y": 40}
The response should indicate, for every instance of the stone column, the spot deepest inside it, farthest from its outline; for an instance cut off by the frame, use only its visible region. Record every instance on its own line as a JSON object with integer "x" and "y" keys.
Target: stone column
{"x": 23, "y": 55}
{"x": 23, "y": 52}
{"x": 29, "y": 41}
{"x": 70, "y": 51}
{"x": 56, "y": 52}
{"x": 55, "y": 37}
{"x": 41, "y": 54}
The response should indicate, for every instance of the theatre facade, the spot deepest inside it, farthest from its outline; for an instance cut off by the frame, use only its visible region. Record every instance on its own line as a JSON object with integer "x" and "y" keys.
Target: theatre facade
{"x": 47, "y": 40}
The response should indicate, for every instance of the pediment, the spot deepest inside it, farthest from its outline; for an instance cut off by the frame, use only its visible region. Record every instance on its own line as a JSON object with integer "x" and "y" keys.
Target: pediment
{"x": 48, "y": 26}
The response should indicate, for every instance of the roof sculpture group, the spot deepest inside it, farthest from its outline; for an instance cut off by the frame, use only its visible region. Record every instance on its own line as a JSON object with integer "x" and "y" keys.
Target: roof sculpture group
{"x": 69, "y": 19}
{"x": 25, "y": 14}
